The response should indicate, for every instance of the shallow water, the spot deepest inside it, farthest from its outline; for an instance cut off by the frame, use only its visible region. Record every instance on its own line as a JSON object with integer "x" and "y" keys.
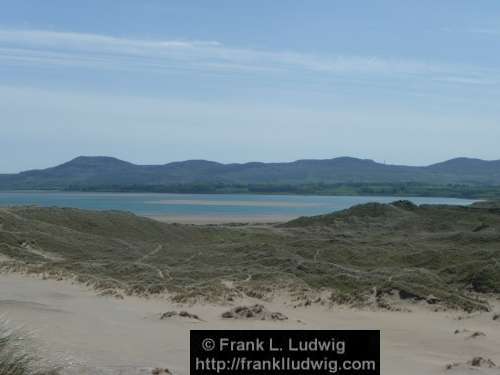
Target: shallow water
{"x": 208, "y": 206}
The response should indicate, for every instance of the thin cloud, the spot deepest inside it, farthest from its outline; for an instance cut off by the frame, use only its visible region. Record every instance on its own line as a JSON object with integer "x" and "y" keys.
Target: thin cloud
{"x": 469, "y": 81}
{"x": 485, "y": 31}
{"x": 473, "y": 30}
{"x": 39, "y": 47}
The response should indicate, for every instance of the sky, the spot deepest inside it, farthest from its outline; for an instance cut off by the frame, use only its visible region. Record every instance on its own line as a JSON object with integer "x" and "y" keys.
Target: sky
{"x": 155, "y": 81}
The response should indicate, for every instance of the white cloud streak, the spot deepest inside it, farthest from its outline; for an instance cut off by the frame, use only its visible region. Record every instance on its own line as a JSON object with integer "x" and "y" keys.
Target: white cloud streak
{"x": 485, "y": 31}
{"x": 38, "y": 47}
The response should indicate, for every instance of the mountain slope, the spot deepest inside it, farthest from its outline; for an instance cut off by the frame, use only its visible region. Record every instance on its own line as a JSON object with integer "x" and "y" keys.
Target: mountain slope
{"x": 107, "y": 171}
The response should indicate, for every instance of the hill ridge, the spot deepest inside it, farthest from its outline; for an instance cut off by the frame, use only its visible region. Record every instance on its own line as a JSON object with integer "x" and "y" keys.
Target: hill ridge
{"x": 95, "y": 171}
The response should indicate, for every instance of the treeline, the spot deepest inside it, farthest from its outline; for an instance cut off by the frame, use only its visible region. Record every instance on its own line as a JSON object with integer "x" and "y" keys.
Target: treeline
{"x": 382, "y": 189}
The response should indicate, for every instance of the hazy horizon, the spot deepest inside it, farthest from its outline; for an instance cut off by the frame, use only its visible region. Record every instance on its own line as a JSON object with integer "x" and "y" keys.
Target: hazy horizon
{"x": 156, "y": 81}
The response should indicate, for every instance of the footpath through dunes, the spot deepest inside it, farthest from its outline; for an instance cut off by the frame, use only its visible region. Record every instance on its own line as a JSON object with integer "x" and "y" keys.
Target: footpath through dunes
{"x": 372, "y": 255}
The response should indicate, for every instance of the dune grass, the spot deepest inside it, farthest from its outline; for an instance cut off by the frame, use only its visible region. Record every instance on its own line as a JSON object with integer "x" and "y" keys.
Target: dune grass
{"x": 16, "y": 357}
{"x": 445, "y": 253}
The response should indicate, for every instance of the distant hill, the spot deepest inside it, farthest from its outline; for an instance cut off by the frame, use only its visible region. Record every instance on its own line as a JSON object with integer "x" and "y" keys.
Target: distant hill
{"x": 94, "y": 172}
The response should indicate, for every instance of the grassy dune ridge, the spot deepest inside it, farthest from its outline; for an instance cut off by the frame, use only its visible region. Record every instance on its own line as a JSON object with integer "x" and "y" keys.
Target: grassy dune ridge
{"x": 363, "y": 256}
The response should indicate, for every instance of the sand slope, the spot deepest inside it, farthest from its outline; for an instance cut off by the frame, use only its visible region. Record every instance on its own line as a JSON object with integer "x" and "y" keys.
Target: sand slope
{"x": 123, "y": 336}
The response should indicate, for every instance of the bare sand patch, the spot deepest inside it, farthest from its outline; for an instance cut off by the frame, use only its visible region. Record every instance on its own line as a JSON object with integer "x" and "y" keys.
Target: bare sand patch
{"x": 201, "y": 219}
{"x": 101, "y": 332}
{"x": 232, "y": 203}
{"x": 4, "y": 258}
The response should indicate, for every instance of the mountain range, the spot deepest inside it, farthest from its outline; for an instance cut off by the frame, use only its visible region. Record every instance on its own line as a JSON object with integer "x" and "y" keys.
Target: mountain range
{"x": 102, "y": 171}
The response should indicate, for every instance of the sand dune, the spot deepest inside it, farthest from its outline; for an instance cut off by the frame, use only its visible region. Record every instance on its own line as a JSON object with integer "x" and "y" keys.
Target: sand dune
{"x": 98, "y": 334}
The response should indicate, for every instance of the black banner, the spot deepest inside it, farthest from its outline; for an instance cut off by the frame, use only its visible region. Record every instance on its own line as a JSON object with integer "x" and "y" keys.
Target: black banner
{"x": 285, "y": 352}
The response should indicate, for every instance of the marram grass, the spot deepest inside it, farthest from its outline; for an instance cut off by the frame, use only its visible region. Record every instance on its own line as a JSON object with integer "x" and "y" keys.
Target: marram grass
{"x": 16, "y": 357}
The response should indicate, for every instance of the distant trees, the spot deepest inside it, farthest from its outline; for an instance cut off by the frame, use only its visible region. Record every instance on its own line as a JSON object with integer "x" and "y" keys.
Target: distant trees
{"x": 354, "y": 188}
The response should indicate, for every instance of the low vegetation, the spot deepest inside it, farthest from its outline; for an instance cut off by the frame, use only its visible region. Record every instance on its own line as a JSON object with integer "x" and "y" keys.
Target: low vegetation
{"x": 408, "y": 189}
{"x": 16, "y": 357}
{"x": 445, "y": 255}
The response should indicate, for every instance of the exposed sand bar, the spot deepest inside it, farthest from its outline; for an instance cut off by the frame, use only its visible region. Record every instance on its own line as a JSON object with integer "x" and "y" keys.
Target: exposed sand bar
{"x": 202, "y": 219}
{"x": 103, "y": 332}
{"x": 233, "y": 203}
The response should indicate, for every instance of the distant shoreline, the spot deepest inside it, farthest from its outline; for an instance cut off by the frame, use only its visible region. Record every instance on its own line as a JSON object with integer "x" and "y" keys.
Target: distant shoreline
{"x": 341, "y": 176}
{"x": 222, "y": 219}
{"x": 205, "y": 209}
{"x": 405, "y": 190}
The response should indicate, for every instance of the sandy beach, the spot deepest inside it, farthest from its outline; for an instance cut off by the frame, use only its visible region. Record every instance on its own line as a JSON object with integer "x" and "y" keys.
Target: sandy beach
{"x": 221, "y": 219}
{"x": 103, "y": 335}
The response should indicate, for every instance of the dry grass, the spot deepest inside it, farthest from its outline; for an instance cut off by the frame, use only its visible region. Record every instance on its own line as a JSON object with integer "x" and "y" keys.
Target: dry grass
{"x": 16, "y": 357}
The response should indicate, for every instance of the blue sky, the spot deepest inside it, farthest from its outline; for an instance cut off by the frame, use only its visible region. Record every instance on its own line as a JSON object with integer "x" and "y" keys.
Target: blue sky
{"x": 406, "y": 82}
